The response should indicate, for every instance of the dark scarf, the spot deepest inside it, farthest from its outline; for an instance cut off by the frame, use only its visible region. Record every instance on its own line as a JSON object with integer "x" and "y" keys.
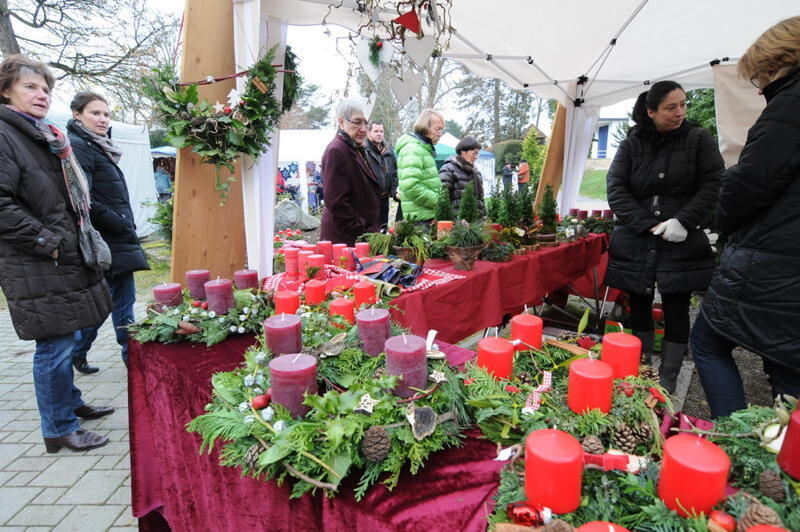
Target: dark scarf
{"x": 350, "y": 142}
{"x": 74, "y": 179}
{"x": 111, "y": 151}
{"x": 424, "y": 139}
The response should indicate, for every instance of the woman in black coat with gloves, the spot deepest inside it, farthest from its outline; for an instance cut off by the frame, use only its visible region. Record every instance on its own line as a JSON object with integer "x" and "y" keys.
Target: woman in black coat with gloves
{"x": 754, "y": 297}
{"x": 111, "y": 213}
{"x": 662, "y": 186}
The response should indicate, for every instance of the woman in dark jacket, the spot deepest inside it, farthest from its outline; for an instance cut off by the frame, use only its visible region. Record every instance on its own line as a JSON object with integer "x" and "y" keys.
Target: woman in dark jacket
{"x": 459, "y": 170}
{"x": 754, "y": 297}
{"x": 352, "y": 202}
{"x": 90, "y": 136}
{"x": 51, "y": 292}
{"x": 662, "y": 186}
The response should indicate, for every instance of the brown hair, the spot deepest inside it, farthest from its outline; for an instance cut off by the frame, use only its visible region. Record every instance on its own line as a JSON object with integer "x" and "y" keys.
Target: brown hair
{"x": 17, "y": 64}
{"x": 422, "y": 124}
{"x": 84, "y": 98}
{"x": 774, "y": 54}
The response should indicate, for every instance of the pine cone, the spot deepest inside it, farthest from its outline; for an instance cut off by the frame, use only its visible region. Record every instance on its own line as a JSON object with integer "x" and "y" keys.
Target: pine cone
{"x": 376, "y": 444}
{"x": 625, "y": 439}
{"x": 593, "y": 445}
{"x": 557, "y": 525}
{"x": 758, "y": 514}
{"x": 251, "y": 457}
{"x": 648, "y": 372}
{"x": 643, "y": 432}
{"x": 525, "y": 378}
{"x": 380, "y": 372}
{"x": 771, "y": 485}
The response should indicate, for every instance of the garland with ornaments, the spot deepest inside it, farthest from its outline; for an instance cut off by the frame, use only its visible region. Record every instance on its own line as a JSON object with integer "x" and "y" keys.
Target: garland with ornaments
{"x": 222, "y": 132}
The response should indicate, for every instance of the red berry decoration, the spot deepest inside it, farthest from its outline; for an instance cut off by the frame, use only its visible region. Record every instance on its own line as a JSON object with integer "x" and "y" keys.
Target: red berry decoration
{"x": 227, "y": 110}
{"x": 511, "y": 388}
{"x": 195, "y": 303}
{"x": 261, "y": 401}
{"x": 379, "y": 45}
{"x": 724, "y": 520}
{"x": 204, "y": 305}
{"x": 628, "y": 391}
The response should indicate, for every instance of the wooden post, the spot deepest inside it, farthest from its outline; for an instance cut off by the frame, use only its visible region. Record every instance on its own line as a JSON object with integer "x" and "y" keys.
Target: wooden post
{"x": 553, "y": 170}
{"x": 206, "y": 234}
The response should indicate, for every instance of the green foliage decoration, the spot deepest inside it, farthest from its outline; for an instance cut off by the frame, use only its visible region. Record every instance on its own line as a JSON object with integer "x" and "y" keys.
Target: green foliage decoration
{"x": 534, "y": 152}
{"x": 492, "y": 208}
{"x": 547, "y": 210}
{"x": 466, "y": 235}
{"x": 444, "y": 207}
{"x": 468, "y": 206}
{"x": 404, "y": 233}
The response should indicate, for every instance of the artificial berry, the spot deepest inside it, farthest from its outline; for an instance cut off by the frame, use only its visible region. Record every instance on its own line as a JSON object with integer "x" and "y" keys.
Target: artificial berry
{"x": 511, "y": 388}
{"x": 468, "y": 381}
{"x": 379, "y": 45}
{"x": 227, "y": 110}
{"x": 261, "y": 401}
{"x": 724, "y": 520}
{"x": 204, "y": 305}
{"x": 628, "y": 391}
{"x": 195, "y": 303}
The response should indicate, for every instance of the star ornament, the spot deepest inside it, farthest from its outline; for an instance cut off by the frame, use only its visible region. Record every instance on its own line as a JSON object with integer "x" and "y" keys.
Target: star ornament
{"x": 438, "y": 377}
{"x": 234, "y": 98}
{"x": 367, "y": 403}
{"x": 218, "y": 107}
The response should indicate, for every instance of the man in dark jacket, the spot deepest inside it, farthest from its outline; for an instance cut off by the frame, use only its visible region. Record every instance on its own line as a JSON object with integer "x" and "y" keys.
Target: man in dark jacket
{"x": 383, "y": 162}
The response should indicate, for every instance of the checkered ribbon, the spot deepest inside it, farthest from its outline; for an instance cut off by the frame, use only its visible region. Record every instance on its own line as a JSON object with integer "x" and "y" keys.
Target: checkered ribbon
{"x": 534, "y": 400}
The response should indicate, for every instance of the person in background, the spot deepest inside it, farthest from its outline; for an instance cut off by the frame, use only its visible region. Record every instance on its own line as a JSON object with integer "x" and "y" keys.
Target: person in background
{"x": 754, "y": 297}
{"x": 51, "y": 292}
{"x": 418, "y": 178}
{"x": 163, "y": 183}
{"x": 314, "y": 183}
{"x": 662, "y": 186}
{"x": 352, "y": 202}
{"x": 508, "y": 176}
{"x": 383, "y": 162}
{"x": 459, "y": 170}
{"x": 111, "y": 214}
{"x": 523, "y": 175}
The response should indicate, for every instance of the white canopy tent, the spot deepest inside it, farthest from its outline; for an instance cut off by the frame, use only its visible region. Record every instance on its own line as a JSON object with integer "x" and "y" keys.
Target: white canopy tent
{"x": 585, "y": 53}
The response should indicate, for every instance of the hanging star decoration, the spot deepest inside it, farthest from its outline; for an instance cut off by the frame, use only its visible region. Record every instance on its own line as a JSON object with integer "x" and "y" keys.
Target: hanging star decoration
{"x": 218, "y": 107}
{"x": 438, "y": 377}
{"x": 367, "y": 403}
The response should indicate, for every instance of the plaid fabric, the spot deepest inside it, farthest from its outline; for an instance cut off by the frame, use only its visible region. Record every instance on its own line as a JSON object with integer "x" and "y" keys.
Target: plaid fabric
{"x": 534, "y": 400}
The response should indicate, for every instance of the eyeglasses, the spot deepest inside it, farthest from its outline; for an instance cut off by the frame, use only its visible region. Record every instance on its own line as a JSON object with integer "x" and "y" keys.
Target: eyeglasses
{"x": 755, "y": 82}
{"x": 358, "y": 123}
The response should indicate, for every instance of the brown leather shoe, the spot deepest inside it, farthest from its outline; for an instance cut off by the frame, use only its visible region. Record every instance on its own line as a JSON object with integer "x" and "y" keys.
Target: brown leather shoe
{"x": 80, "y": 440}
{"x": 93, "y": 412}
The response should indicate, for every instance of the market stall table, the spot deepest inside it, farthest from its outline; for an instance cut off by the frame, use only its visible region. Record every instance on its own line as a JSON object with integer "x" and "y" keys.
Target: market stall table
{"x": 174, "y": 486}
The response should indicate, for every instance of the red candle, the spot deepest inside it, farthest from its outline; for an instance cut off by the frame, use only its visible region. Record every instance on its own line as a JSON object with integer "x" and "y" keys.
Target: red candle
{"x": 219, "y": 294}
{"x": 496, "y": 356}
{"x": 318, "y": 263}
{"x": 573, "y": 212}
{"x": 693, "y": 476}
{"x": 590, "y": 385}
{"x": 363, "y": 293}
{"x": 302, "y": 263}
{"x": 597, "y": 213}
{"x": 789, "y": 456}
{"x": 350, "y": 259}
{"x": 290, "y": 260}
{"x": 291, "y": 376}
{"x": 622, "y": 352}
{"x": 167, "y": 295}
{"x": 195, "y": 279}
{"x": 314, "y": 292}
{"x": 309, "y": 247}
{"x": 528, "y": 328}
{"x": 283, "y": 334}
{"x": 582, "y": 214}
{"x": 362, "y": 249}
{"x": 601, "y": 526}
{"x": 608, "y": 214}
{"x": 343, "y": 307}
{"x": 325, "y": 248}
{"x": 406, "y": 356}
{"x": 766, "y": 528}
{"x": 657, "y": 313}
{"x": 286, "y": 302}
{"x": 245, "y": 279}
{"x": 338, "y": 251}
{"x": 373, "y": 329}
{"x": 553, "y": 468}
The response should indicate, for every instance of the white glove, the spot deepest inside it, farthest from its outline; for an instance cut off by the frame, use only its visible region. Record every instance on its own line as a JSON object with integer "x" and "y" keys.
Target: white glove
{"x": 671, "y": 230}
{"x": 712, "y": 237}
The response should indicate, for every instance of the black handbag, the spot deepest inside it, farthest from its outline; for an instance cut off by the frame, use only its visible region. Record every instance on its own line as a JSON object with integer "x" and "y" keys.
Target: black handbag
{"x": 94, "y": 250}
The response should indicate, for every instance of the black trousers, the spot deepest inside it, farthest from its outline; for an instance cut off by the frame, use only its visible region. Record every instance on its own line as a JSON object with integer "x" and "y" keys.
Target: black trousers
{"x": 384, "y": 219}
{"x": 676, "y": 315}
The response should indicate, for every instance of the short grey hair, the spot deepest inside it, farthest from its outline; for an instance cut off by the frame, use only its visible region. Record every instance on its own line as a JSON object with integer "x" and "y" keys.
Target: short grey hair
{"x": 348, "y": 107}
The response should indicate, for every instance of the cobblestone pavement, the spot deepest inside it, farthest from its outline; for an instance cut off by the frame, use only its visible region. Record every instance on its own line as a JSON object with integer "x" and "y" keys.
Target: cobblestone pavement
{"x": 84, "y": 491}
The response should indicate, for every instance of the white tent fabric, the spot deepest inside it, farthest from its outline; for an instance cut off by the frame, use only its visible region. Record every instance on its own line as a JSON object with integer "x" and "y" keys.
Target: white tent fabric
{"x": 738, "y": 106}
{"x": 581, "y": 122}
{"x": 136, "y": 164}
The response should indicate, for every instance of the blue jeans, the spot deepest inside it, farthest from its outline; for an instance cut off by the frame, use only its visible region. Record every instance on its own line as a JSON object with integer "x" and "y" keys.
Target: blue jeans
{"x": 713, "y": 357}
{"x": 56, "y": 393}
{"x": 123, "y": 296}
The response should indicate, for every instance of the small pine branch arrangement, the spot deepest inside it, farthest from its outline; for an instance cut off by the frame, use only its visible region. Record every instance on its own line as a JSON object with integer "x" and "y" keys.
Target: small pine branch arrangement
{"x": 468, "y": 206}
{"x": 492, "y": 208}
{"x": 525, "y": 206}
{"x": 444, "y": 209}
{"x": 503, "y": 217}
{"x": 547, "y": 210}
{"x": 465, "y": 235}
{"x": 511, "y": 206}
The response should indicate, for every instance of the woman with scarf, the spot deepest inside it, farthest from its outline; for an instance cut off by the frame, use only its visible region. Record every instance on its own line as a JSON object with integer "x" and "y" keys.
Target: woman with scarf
{"x": 51, "y": 292}
{"x": 417, "y": 176}
{"x": 352, "y": 194}
{"x": 111, "y": 213}
{"x": 459, "y": 170}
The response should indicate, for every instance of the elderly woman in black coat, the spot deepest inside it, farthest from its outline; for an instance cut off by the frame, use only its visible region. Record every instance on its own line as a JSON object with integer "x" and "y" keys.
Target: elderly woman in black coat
{"x": 459, "y": 170}
{"x": 51, "y": 292}
{"x": 90, "y": 136}
{"x": 662, "y": 186}
{"x": 754, "y": 297}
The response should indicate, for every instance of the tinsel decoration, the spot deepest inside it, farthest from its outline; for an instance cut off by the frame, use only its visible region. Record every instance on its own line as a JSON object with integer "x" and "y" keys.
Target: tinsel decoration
{"x": 376, "y": 444}
{"x": 770, "y": 482}
{"x": 758, "y": 514}
{"x": 593, "y": 445}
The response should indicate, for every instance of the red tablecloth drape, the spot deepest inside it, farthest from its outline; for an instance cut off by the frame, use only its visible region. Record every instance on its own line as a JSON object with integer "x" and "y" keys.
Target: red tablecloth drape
{"x": 168, "y": 385}
{"x": 493, "y": 289}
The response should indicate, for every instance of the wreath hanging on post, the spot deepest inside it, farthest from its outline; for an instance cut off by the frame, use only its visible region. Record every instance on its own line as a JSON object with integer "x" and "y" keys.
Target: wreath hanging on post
{"x": 221, "y": 133}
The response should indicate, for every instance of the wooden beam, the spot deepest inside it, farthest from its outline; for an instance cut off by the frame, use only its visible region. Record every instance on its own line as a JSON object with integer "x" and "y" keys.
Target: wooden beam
{"x": 206, "y": 234}
{"x": 553, "y": 170}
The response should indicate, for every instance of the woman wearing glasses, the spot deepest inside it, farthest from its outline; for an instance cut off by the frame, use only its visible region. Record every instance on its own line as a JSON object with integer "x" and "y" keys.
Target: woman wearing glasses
{"x": 754, "y": 298}
{"x": 352, "y": 194}
{"x": 417, "y": 176}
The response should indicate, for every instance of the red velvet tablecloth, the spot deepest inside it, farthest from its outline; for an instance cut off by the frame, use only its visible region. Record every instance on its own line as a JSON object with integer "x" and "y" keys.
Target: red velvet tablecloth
{"x": 494, "y": 289}
{"x": 168, "y": 385}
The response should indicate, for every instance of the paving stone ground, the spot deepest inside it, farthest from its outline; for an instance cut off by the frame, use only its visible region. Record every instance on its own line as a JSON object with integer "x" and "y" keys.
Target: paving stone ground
{"x": 65, "y": 491}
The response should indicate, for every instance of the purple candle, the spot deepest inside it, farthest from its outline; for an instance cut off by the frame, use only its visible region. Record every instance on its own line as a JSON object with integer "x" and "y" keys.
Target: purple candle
{"x": 608, "y": 214}
{"x": 167, "y": 295}
{"x": 244, "y": 279}
{"x": 573, "y": 212}
{"x": 291, "y": 376}
{"x": 597, "y": 213}
{"x": 195, "y": 279}
{"x": 283, "y": 334}
{"x": 582, "y": 214}
{"x": 219, "y": 294}
{"x": 373, "y": 329}
{"x": 406, "y": 357}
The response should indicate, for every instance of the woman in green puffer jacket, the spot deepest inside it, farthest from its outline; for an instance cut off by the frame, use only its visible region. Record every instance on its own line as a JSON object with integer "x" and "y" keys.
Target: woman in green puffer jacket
{"x": 418, "y": 178}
